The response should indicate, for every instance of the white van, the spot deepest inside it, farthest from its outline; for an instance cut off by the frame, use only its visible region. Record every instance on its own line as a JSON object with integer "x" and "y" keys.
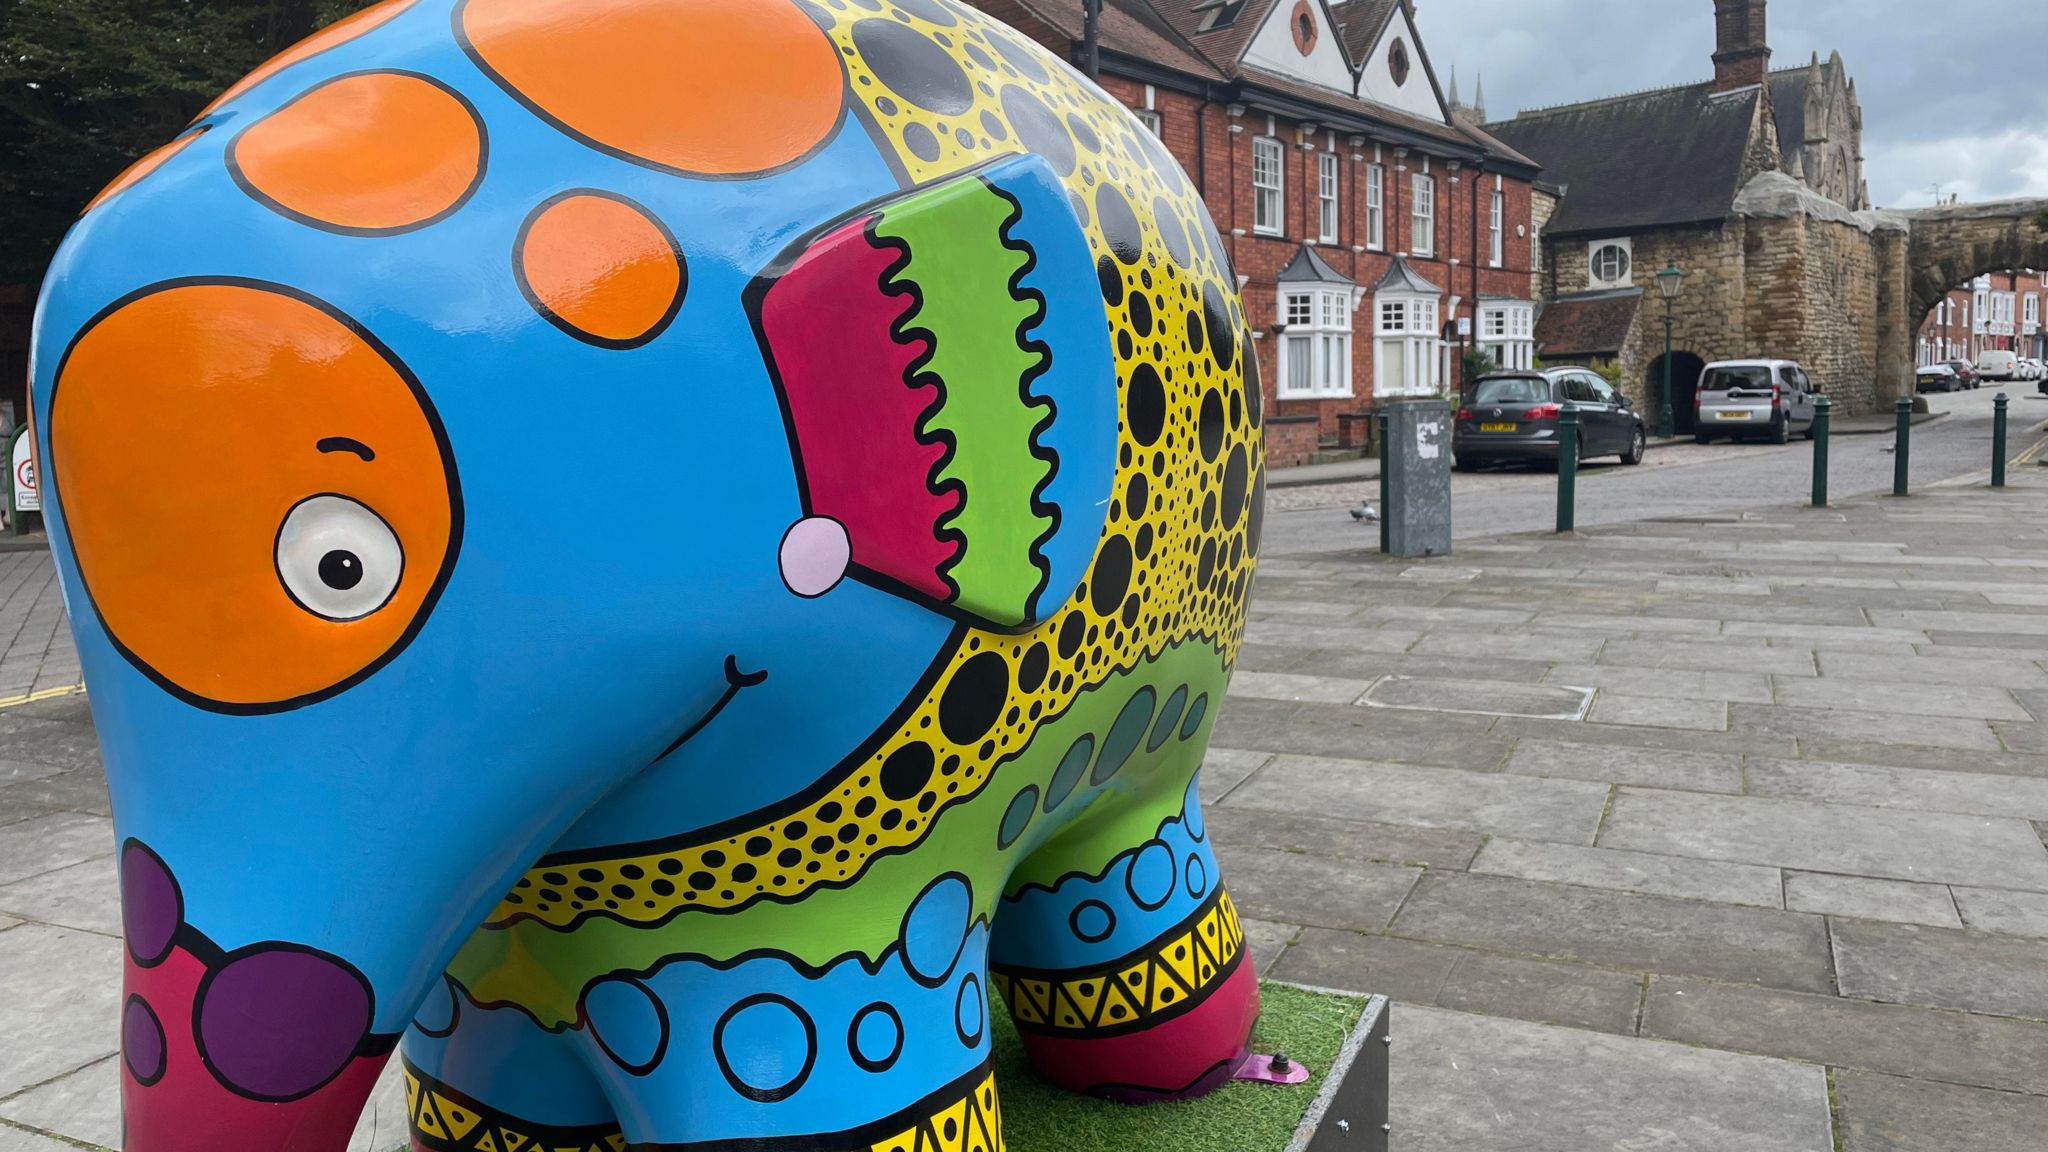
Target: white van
{"x": 1993, "y": 364}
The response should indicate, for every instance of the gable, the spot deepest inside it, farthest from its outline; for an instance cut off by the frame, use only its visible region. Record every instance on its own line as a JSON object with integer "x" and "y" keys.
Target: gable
{"x": 1412, "y": 89}
{"x": 1299, "y": 41}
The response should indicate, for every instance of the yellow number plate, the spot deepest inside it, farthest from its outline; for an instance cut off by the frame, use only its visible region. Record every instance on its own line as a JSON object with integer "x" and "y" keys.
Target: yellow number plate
{"x": 1731, "y": 415}
{"x": 1498, "y": 427}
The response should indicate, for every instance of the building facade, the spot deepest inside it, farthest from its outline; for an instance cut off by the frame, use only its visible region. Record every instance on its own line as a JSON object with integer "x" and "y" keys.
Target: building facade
{"x": 1996, "y": 311}
{"x": 1750, "y": 185}
{"x": 1331, "y": 160}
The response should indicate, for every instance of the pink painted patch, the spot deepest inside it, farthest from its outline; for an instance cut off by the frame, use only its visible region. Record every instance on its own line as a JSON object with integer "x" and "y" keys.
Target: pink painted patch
{"x": 815, "y": 553}
{"x": 1186, "y": 1056}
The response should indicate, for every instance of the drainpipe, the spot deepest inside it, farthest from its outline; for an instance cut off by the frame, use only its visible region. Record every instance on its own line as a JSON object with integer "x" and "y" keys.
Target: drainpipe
{"x": 1091, "y": 53}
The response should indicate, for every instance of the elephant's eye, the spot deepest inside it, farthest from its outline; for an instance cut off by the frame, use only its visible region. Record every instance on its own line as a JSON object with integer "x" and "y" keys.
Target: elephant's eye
{"x": 338, "y": 559}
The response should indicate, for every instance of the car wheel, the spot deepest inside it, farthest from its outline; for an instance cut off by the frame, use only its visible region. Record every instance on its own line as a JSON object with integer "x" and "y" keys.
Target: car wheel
{"x": 1464, "y": 465}
{"x": 1637, "y": 445}
{"x": 1702, "y": 438}
{"x": 1781, "y": 432}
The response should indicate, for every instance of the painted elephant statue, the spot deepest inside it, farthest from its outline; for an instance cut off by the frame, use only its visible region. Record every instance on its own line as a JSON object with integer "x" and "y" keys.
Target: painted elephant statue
{"x": 647, "y": 555}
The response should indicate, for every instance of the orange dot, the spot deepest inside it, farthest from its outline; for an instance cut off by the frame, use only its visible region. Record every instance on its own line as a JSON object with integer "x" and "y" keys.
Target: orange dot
{"x": 142, "y": 168}
{"x": 697, "y": 87}
{"x": 374, "y": 152}
{"x": 601, "y": 268}
{"x": 181, "y": 539}
{"x": 333, "y": 36}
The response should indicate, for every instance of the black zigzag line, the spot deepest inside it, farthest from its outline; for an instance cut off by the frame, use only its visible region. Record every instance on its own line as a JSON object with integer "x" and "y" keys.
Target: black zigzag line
{"x": 918, "y": 374}
{"x": 1041, "y": 364}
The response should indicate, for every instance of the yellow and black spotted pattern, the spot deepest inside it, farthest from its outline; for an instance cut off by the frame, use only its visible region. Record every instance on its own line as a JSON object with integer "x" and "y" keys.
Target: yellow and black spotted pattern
{"x": 944, "y": 88}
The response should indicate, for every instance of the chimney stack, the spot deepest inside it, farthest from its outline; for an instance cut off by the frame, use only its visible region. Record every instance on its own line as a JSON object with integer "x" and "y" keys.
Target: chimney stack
{"x": 1742, "y": 52}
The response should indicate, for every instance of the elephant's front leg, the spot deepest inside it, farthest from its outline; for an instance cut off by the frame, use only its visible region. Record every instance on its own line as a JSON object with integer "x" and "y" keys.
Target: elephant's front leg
{"x": 1127, "y": 976}
{"x": 804, "y": 1043}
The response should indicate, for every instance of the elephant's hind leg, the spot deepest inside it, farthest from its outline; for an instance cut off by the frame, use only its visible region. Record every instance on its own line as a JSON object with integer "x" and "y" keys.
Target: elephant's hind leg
{"x": 492, "y": 1080}
{"x": 1127, "y": 976}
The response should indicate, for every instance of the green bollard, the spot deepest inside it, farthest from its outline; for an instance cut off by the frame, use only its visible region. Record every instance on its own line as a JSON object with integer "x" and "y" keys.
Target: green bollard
{"x": 1902, "y": 454}
{"x": 1998, "y": 404}
{"x": 1567, "y": 465}
{"x": 1379, "y": 423}
{"x": 1821, "y": 406}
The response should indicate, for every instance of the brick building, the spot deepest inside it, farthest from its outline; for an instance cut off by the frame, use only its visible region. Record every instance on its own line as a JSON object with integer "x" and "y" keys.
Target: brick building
{"x": 1997, "y": 310}
{"x": 1332, "y": 163}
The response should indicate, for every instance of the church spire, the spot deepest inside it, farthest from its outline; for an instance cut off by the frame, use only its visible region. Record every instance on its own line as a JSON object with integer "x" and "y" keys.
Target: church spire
{"x": 1479, "y": 100}
{"x": 1454, "y": 87}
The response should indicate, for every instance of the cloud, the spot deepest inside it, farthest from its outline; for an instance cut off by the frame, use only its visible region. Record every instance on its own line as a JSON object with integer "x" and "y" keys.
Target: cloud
{"x": 1952, "y": 97}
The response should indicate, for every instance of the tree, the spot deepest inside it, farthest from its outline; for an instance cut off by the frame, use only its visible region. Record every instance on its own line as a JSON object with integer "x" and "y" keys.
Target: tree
{"x": 89, "y": 86}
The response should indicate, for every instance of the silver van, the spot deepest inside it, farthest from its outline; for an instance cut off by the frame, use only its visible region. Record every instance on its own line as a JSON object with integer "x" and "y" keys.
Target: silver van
{"x": 1754, "y": 399}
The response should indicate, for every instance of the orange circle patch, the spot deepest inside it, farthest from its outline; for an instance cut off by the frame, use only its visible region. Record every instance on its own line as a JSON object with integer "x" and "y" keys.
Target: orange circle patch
{"x": 370, "y": 154}
{"x": 333, "y": 36}
{"x": 142, "y": 168}
{"x": 695, "y": 87}
{"x": 601, "y": 268}
{"x": 260, "y": 498}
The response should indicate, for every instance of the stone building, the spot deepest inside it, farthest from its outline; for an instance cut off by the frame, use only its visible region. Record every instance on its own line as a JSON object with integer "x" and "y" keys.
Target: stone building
{"x": 1333, "y": 163}
{"x": 1751, "y": 184}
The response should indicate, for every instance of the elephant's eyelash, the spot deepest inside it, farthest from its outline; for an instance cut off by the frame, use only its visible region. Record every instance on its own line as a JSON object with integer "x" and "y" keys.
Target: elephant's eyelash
{"x": 346, "y": 444}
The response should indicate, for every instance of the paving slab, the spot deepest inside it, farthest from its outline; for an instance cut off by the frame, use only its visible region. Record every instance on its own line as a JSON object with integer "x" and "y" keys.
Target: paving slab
{"x": 50, "y": 742}
{"x": 1619, "y": 929}
{"x": 1860, "y": 751}
{"x": 1930, "y": 1043}
{"x": 84, "y": 1105}
{"x": 1295, "y": 687}
{"x": 1463, "y": 1082}
{"x": 1967, "y": 701}
{"x": 1870, "y": 727}
{"x": 1344, "y": 839}
{"x": 1677, "y": 683}
{"x": 60, "y": 996}
{"x": 1545, "y": 991}
{"x": 46, "y": 843}
{"x": 1268, "y": 940}
{"x": 1405, "y": 971}
{"x": 1522, "y": 806}
{"x": 1226, "y": 768}
{"x": 1891, "y": 1114}
{"x": 1880, "y": 786}
{"x": 1340, "y": 730}
{"x": 1298, "y": 888}
{"x": 1747, "y": 655}
{"x": 1942, "y": 967}
{"x": 1478, "y": 697}
{"x": 1548, "y": 647}
{"x": 1897, "y": 844}
{"x": 1995, "y": 671}
{"x": 79, "y": 790}
{"x": 1621, "y": 871}
{"x": 1899, "y": 901}
{"x": 2004, "y": 912}
{"x": 1370, "y": 666}
{"x": 1653, "y": 767}
{"x": 14, "y": 1139}
{"x": 1660, "y": 712}
{"x": 84, "y": 896}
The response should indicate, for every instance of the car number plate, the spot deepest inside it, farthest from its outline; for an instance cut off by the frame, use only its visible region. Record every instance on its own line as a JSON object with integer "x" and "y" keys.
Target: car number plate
{"x": 1731, "y": 415}
{"x": 1498, "y": 427}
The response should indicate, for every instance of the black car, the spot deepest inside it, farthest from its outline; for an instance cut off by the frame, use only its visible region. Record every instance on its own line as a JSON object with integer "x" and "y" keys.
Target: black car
{"x": 1513, "y": 416}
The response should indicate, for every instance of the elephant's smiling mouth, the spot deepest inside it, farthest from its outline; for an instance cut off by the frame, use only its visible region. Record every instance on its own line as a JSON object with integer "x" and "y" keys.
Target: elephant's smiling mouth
{"x": 734, "y": 681}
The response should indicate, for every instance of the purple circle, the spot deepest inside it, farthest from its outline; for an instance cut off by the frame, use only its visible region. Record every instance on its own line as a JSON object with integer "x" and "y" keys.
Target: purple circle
{"x": 150, "y": 905}
{"x": 277, "y": 1022}
{"x": 142, "y": 1041}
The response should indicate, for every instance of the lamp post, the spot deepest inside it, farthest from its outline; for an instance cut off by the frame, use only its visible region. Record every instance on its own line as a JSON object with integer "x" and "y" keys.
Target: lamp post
{"x": 1670, "y": 283}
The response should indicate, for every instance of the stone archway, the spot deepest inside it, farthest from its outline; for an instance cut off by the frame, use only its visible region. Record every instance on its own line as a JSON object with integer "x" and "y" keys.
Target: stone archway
{"x": 1685, "y": 385}
{"x": 1941, "y": 248}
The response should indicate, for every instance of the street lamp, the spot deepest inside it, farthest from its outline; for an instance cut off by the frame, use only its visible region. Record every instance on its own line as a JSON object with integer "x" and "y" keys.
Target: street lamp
{"x": 1670, "y": 284}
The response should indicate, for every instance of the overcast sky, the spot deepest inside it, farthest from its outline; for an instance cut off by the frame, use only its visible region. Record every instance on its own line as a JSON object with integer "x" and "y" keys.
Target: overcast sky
{"x": 1953, "y": 92}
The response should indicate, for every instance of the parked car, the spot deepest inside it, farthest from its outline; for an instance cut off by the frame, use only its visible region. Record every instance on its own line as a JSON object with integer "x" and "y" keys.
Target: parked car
{"x": 1966, "y": 372}
{"x": 1997, "y": 364}
{"x": 1937, "y": 378}
{"x": 1761, "y": 399}
{"x": 2031, "y": 369}
{"x": 1513, "y": 416}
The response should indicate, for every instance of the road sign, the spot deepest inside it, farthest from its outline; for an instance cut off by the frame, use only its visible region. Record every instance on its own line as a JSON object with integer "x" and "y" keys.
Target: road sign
{"x": 28, "y": 497}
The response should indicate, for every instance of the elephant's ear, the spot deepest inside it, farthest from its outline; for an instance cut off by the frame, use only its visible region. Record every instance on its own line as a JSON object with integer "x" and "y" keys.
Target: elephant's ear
{"x": 943, "y": 364}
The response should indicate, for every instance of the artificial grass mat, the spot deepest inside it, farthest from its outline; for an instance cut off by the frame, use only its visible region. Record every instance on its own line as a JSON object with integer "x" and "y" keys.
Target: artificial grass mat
{"x": 1309, "y": 1027}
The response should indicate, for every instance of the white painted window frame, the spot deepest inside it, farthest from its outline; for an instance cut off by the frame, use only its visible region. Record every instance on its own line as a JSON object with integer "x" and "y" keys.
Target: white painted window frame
{"x": 1422, "y": 215}
{"x": 1269, "y": 200}
{"x": 1497, "y": 212}
{"x": 1318, "y": 324}
{"x": 1376, "y": 207}
{"x": 1326, "y": 197}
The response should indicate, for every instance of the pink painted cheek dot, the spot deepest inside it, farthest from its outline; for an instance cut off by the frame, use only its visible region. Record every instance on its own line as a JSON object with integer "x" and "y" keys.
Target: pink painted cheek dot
{"x": 815, "y": 556}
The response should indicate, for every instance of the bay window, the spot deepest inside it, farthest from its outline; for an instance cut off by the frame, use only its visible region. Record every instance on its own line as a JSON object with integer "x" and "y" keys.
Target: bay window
{"x": 1315, "y": 350}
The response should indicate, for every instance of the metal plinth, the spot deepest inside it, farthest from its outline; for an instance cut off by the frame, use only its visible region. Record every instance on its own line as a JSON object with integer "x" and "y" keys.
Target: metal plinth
{"x": 1350, "y": 1113}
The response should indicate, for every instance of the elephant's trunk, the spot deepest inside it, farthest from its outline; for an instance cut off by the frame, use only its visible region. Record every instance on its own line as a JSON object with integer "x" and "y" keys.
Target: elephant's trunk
{"x": 267, "y": 1047}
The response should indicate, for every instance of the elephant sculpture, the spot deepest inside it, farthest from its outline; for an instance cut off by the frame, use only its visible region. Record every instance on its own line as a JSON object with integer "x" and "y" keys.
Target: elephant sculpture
{"x": 647, "y": 554}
